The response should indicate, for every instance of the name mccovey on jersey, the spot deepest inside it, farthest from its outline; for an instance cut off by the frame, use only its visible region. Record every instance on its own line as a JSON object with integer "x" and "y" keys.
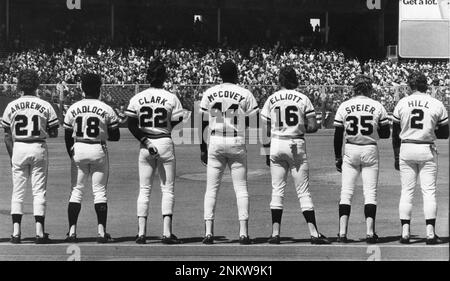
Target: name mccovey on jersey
{"x": 225, "y": 94}
{"x": 28, "y": 105}
{"x": 87, "y": 109}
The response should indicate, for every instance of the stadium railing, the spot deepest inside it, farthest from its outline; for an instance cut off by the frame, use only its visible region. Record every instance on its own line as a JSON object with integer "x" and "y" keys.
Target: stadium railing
{"x": 326, "y": 98}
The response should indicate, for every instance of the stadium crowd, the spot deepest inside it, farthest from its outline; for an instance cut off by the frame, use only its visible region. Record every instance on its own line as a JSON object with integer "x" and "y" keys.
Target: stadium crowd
{"x": 198, "y": 66}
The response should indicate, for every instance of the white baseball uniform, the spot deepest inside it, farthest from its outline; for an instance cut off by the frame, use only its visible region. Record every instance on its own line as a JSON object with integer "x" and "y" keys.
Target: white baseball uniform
{"x": 29, "y": 119}
{"x": 419, "y": 114}
{"x": 226, "y": 106}
{"x": 288, "y": 111}
{"x": 361, "y": 117}
{"x": 156, "y": 109}
{"x": 90, "y": 120}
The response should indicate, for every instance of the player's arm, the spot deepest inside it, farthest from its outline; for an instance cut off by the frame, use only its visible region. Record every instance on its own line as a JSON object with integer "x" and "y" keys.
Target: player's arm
{"x": 9, "y": 141}
{"x": 53, "y": 126}
{"x": 133, "y": 127}
{"x": 442, "y": 126}
{"x": 396, "y": 143}
{"x": 338, "y": 142}
{"x": 266, "y": 124}
{"x": 442, "y": 132}
{"x": 114, "y": 134}
{"x": 203, "y": 144}
{"x": 177, "y": 113}
{"x": 384, "y": 128}
{"x": 68, "y": 139}
{"x": 310, "y": 114}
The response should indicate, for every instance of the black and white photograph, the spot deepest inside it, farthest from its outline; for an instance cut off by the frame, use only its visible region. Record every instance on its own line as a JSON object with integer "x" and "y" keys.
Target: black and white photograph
{"x": 224, "y": 137}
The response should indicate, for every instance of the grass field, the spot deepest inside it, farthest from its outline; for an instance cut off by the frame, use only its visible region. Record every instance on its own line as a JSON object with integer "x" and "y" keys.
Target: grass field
{"x": 188, "y": 222}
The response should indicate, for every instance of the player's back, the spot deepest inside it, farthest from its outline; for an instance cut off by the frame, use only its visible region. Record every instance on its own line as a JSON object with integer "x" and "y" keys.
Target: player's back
{"x": 29, "y": 118}
{"x": 419, "y": 114}
{"x": 90, "y": 119}
{"x": 361, "y": 118}
{"x": 287, "y": 110}
{"x": 227, "y": 105}
{"x": 155, "y": 108}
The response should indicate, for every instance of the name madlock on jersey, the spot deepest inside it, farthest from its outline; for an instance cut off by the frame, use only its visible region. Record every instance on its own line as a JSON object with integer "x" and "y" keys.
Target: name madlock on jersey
{"x": 361, "y": 117}
{"x": 419, "y": 115}
{"x": 90, "y": 119}
{"x": 286, "y": 110}
{"x": 227, "y": 105}
{"x": 29, "y": 118}
{"x": 155, "y": 109}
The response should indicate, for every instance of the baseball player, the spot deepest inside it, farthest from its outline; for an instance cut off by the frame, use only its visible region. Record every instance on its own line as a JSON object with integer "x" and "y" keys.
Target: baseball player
{"x": 361, "y": 121}
{"x": 88, "y": 124}
{"x": 418, "y": 120}
{"x": 152, "y": 114}
{"x": 224, "y": 108}
{"x": 28, "y": 121}
{"x": 288, "y": 115}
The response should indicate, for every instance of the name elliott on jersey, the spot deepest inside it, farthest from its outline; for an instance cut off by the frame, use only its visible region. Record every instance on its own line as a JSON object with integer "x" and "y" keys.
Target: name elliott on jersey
{"x": 285, "y": 96}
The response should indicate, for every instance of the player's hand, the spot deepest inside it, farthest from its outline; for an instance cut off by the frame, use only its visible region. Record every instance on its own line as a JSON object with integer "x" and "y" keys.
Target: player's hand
{"x": 397, "y": 164}
{"x": 151, "y": 148}
{"x": 338, "y": 163}
{"x": 72, "y": 152}
{"x": 204, "y": 157}
{"x": 268, "y": 160}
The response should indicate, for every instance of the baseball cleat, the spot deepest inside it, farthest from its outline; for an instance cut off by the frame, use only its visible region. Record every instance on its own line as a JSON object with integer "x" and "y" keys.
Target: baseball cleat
{"x": 320, "y": 240}
{"x": 245, "y": 240}
{"x": 172, "y": 239}
{"x": 434, "y": 241}
{"x": 274, "y": 239}
{"x": 404, "y": 240}
{"x": 42, "y": 239}
{"x": 71, "y": 238}
{"x": 342, "y": 238}
{"x": 372, "y": 239}
{"x": 15, "y": 239}
{"x": 104, "y": 239}
{"x": 142, "y": 239}
{"x": 209, "y": 239}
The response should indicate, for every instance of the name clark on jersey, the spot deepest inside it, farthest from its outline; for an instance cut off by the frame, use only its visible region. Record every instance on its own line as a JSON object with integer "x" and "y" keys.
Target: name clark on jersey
{"x": 28, "y": 105}
{"x": 360, "y": 107}
{"x": 285, "y": 96}
{"x": 87, "y": 109}
{"x": 152, "y": 99}
{"x": 417, "y": 103}
{"x": 225, "y": 94}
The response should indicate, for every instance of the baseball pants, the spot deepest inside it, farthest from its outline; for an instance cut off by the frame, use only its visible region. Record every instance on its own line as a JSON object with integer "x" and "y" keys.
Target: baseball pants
{"x": 418, "y": 160}
{"x": 289, "y": 155}
{"x": 90, "y": 161}
{"x": 360, "y": 159}
{"x": 166, "y": 166}
{"x": 29, "y": 161}
{"x": 223, "y": 152}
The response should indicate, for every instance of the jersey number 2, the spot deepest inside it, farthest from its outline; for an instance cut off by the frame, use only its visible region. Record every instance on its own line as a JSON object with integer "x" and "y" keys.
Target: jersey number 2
{"x": 417, "y": 117}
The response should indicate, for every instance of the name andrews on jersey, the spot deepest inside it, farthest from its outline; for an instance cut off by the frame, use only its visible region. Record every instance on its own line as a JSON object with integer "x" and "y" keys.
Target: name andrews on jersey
{"x": 28, "y": 105}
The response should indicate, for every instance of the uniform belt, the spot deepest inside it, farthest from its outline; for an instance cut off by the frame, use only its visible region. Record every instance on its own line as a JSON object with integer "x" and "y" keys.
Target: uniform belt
{"x": 223, "y": 134}
{"x": 417, "y": 142}
{"x": 160, "y": 136}
{"x": 90, "y": 141}
{"x": 31, "y": 141}
{"x": 350, "y": 142}
{"x": 299, "y": 137}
